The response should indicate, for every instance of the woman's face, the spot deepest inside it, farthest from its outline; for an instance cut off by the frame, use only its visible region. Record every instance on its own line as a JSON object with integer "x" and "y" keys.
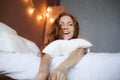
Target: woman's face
{"x": 66, "y": 23}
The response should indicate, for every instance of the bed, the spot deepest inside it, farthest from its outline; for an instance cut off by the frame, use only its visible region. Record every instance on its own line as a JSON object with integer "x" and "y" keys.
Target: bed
{"x": 22, "y": 62}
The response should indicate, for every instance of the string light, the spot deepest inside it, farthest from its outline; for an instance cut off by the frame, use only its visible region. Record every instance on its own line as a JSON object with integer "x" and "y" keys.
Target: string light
{"x": 47, "y": 15}
{"x": 39, "y": 17}
{"x": 31, "y": 10}
{"x": 51, "y": 20}
{"x": 26, "y": 1}
{"x": 49, "y": 9}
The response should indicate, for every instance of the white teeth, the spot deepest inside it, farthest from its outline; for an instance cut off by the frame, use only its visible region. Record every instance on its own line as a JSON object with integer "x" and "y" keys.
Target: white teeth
{"x": 66, "y": 32}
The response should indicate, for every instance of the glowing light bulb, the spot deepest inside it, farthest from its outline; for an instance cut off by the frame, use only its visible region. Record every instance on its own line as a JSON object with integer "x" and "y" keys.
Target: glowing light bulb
{"x": 51, "y": 20}
{"x": 26, "y": 1}
{"x": 47, "y": 15}
{"x": 49, "y": 9}
{"x": 39, "y": 17}
{"x": 31, "y": 10}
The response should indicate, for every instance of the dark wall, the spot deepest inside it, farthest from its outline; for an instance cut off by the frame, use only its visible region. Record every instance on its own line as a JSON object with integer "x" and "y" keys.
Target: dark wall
{"x": 14, "y": 13}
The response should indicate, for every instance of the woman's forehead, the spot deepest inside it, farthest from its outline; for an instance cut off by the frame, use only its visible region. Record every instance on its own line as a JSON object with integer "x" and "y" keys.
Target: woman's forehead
{"x": 66, "y": 19}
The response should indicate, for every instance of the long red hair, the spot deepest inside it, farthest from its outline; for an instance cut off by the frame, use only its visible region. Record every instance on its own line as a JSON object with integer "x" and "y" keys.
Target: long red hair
{"x": 54, "y": 32}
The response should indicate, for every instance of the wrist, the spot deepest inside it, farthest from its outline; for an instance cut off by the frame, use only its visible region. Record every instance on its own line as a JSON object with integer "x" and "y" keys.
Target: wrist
{"x": 66, "y": 65}
{"x": 44, "y": 70}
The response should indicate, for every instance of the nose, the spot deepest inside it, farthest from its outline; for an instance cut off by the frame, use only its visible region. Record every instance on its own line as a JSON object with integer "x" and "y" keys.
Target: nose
{"x": 65, "y": 28}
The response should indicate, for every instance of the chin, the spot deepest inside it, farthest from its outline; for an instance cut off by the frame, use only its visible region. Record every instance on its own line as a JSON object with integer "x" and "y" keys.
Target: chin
{"x": 67, "y": 38}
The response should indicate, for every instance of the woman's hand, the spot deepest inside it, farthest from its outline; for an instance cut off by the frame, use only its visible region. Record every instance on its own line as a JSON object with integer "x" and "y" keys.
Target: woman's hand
{"x": 42, "y": 76}
{"x": 80, "y": 51}
{"x": 44, "y": 68}
{"x": 60, "y": 73}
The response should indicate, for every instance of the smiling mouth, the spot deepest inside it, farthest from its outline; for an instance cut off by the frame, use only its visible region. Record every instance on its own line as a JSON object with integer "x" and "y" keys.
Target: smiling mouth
{"x": 66, "y": 33}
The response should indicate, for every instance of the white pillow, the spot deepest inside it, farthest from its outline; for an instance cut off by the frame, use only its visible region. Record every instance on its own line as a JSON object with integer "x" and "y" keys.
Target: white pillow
{"x": 6, "y": 28}
{"x": 80, "y": 43}
{"x": 12, "y": 43}
{"x": 65, "y": 47}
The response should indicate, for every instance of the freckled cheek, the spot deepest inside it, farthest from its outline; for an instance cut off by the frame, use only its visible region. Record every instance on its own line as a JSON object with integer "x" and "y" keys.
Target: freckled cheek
{"x": 71, "y": 33}
{"x": 72, "y": 30}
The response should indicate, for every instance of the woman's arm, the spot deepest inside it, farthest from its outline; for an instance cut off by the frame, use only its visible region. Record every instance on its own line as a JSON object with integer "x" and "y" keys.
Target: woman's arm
{"x": 43, "y": 73}
{"x": 60, "y": 73}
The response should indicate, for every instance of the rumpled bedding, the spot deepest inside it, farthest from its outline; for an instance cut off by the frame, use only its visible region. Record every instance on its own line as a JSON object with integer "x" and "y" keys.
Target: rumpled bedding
{"x": 19, "y": 66}
{"x": 16, "y": 63}
{"x": 93, "y": 66}
{"x": 25, "y": 66}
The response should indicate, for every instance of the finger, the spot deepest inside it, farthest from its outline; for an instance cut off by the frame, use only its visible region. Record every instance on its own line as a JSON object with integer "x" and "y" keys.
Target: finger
{"x": 49, "y": 77}
{"x": 62, "y": 77}
{"x": 58, "y": 76}
{"x": 54, "y": 77}
{"x": 41, "y": 78}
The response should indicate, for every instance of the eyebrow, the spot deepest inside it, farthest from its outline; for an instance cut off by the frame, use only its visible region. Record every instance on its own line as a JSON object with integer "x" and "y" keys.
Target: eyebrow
{"x": 67, "y": 22}
{"x": 70, "y": 22}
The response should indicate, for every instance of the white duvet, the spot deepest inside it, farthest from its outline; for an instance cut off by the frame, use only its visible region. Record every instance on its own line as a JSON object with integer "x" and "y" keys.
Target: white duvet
{"x": 19, "y": 66}
{"x": 93, "y": 66}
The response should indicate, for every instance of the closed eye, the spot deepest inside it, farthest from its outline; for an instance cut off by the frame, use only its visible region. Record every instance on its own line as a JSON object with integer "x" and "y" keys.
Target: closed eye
{"x": 70, "y": 24}
{"x": 61, "y": 25}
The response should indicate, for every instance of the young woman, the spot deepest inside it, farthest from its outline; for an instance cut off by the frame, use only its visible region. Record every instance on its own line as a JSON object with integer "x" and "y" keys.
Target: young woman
{"x": 65, "y": 27}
